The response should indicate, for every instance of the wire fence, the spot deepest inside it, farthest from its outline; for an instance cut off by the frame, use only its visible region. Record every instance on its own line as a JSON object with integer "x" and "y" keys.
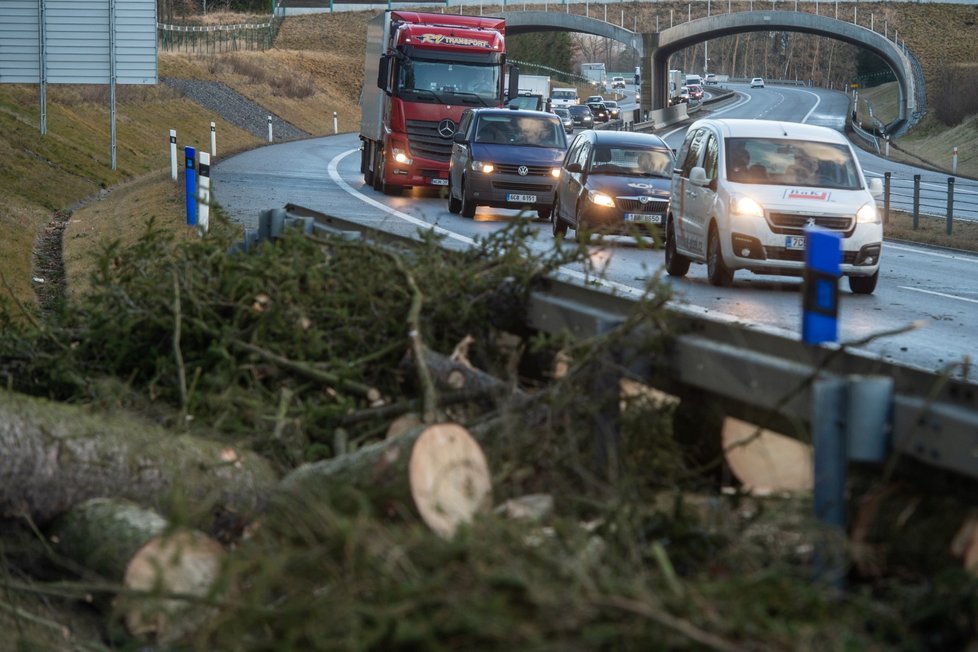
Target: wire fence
{"x": 211, "y": 39}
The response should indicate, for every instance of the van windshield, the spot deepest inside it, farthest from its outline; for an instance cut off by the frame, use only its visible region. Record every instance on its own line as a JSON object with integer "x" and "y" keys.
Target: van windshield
{"x": 563, "y": 95}
{"x": 790, "y": 163}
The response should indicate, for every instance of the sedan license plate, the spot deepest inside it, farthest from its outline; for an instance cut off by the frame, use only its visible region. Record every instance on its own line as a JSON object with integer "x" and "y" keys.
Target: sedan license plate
{"x": 439, "y": 182}
{"x": 524, "y": 199}
{"x": 645, "y": 218}
{"x": 795, "y": 242}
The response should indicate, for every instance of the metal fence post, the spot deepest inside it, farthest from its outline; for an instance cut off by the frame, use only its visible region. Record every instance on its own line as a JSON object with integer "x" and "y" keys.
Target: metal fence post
{"x": 950, "y": 203}
{"x": 886, "y": 197}
{"x": 916, "y": 201}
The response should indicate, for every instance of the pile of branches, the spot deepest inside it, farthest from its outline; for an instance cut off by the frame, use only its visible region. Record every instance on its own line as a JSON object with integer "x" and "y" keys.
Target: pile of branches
{"x": 258, "y": 407}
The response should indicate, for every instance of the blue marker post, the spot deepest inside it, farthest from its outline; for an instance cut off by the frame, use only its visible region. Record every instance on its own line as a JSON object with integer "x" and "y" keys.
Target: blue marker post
{"x": 190, "y": 159}
{"x": 820, "y": 288}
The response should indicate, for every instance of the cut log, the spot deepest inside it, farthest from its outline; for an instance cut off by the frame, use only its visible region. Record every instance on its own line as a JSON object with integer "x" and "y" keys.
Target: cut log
{"x": 56, "y": 456}
{"x": 437, "y": 472}
{"x": 450, "y": 374}
{"x": 137, "y": 548}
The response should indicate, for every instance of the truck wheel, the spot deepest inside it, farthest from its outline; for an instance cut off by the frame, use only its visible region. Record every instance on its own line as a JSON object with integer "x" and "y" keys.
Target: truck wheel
{"x": 365, "y": 161}
{"x": 379, "y": 172}
{"x": 716, "y": 269}
{"x": 454, "y": 205}
{"x": 863, "y": 284}
{"x": 467, "y": 207}
{"x": 676, "y": 263}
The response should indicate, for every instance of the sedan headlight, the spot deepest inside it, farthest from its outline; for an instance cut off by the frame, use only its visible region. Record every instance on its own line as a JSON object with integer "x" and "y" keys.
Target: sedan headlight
{"x": 746, "y": 206}
{"x": 868, "y": 214}
{"x": 401, "y": 156}
{"x": 483, "y": 166}
{"x": 600, "y": 199}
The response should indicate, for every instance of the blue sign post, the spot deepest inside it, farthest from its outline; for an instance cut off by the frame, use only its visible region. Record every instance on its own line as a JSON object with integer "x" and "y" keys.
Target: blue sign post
{"x": 190, "y": 158}
{"x": 820, "y": 288}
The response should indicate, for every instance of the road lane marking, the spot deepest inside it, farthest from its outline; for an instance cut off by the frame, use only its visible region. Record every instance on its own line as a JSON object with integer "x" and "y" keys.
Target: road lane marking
{"x": 965, "y": 257}
{"x": 938, "y": 294}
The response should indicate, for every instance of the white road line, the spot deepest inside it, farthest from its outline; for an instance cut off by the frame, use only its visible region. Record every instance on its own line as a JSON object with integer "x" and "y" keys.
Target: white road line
{"x": 938, "y": 294}
{"x": 934, "y": 254}
{"x": 818, "y": 100}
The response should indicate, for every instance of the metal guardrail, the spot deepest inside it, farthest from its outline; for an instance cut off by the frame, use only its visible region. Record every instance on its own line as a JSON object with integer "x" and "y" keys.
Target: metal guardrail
{"x": 876, "y": 407}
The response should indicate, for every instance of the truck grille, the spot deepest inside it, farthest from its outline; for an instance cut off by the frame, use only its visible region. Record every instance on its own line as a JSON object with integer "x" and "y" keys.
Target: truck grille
{"x": 426, "y": 142}
{"x": 533, "y": 170}
{"x": 629, "y": 204}
{"x": 792, "y": 224}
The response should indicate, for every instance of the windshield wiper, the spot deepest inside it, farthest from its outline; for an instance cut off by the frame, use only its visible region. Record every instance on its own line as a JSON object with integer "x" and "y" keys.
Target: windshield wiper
{"x": 475, "y": 95}
{"x": 424, "y": 91}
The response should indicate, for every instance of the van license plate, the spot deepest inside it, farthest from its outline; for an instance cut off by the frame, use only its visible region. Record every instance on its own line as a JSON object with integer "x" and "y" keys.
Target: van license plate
{"x": 439, "y": 182}
{"x": 795, "y": 242}
{"x": 523, "y": 199}
{"x": 645, "y": 218}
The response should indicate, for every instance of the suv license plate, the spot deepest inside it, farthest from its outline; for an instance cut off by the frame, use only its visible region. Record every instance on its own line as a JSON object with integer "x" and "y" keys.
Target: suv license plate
{"x": 643, "y": 217}
{"x": 794, "y": 242}
{"x": 439, "y": 182}
{"x": 525, "y": 199}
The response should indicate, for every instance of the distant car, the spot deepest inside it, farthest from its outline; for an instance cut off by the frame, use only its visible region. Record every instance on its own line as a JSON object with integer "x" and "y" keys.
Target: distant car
{"x": 746, "y": 192}
{"x": 581, "y": 116}
{"x": 683, "y": 97}
{"x": 594, "y": 98}
{"x": 566, "y": 119}
{"x": 618, "y": 82}
{"x": 695, "y": 91}
{"x": 757, "y": 82}
{"x": 505, "y": 158}
{"x": 614, "y": 111}
{"x": 709, "y": 78}
{"x": 613, "y": 182}
{"x": 600, "y": 111}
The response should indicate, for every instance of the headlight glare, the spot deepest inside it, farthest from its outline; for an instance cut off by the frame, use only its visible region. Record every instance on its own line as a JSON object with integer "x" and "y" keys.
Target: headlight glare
{"x": 482, "y": 166}
{"x": 600, "y": 199}
{"x": 401, "y": 156}
{"x": 555, "y": 172}
{"x": 747, "y": 206}
{"x": 868, "y": 214}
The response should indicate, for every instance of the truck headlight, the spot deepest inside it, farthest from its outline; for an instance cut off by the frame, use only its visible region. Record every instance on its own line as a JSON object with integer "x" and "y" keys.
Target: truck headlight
{"x": 600, "y": 199}
{"x": 483, "y": 166}
{"x": 746, "y": 206}
{"x": 868, "y": 214}
{"x": 401, "y": 156}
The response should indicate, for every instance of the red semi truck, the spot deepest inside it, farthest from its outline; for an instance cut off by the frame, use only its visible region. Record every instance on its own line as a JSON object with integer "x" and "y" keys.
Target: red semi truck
{"x": 421, "y": 72}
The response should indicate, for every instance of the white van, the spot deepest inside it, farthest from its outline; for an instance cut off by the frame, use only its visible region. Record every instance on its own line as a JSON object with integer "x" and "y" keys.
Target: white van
{"x": 744, "y": 192}
{"x": 564, "y": 97}
{"x": 694, "y": 80}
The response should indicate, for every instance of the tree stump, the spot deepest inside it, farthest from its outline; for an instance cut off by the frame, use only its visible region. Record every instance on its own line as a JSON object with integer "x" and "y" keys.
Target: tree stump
{"x": 437, "y": 472}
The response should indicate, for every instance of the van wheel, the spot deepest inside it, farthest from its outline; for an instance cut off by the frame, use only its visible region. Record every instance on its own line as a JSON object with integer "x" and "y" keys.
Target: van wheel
{"x": 863, "y": 284}
{"x": 557, "y": 225}
{"x": 454, "y": 205}
{"x": 716, "y": 270}
{"x": 466, "y": 206}
{"x": 676, "y": 263}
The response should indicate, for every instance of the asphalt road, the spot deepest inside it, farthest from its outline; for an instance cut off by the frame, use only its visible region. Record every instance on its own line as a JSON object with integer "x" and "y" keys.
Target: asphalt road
{"x": 935, "y": 292}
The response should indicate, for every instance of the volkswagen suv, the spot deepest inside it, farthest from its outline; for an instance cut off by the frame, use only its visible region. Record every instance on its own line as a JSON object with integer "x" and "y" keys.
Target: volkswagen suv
{"x": 505, "y": 158}
{"x": 744, "y": 192}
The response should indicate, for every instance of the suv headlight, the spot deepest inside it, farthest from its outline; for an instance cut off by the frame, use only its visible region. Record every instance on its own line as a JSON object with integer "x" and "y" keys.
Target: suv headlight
{"x": 868, "y": 214}
{"x": 746, "y": 206}
{"x": 483, "y": 166}
{"x": 600, "y": 199}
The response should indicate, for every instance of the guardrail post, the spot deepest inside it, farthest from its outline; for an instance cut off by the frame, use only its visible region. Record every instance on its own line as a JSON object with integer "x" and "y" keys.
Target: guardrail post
{"x": 335, "y": 126}
{"x": 829, "y": 410}
{"x": 204, "y": 192}
{"x": 213, "y": 140}
{"x": 950, "y": 203}
{"x": 605, "y": 383}
{"x": 916, "y": 201}
{"x": 886, "y": 197}
{"x": 954, "y": 161}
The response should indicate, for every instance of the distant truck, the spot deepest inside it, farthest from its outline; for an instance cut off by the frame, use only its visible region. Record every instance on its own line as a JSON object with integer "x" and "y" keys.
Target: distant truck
{"x": 564, "y": 97}
{"x": 421, "y": 72}
{"x": 676, "y": 95}
{"x": 534, "y": 93}
{"x": 595, "y": 74}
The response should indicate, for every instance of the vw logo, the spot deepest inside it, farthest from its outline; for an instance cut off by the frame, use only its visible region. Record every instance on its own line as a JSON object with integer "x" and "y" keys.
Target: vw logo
{"x": 523, "y": 170}
{"x": 446, "y": 128}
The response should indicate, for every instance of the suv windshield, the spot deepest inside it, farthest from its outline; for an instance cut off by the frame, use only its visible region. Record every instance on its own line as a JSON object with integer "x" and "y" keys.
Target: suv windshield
{"x": 533, "y": 131}
{"x": 791, "y": 163}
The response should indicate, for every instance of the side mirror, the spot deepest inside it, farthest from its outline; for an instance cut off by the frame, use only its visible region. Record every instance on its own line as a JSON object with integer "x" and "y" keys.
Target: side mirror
{"x": 574, "y": 167}
{"x": 459, "y": 137}
{"x": 514, "y": 81}
{"x": 383, "y": 72}
{"x": 697, "y": 176}
{"x": 876, "y": 187}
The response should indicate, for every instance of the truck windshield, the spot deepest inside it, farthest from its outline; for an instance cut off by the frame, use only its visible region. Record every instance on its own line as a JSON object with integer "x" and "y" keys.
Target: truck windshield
{"x": 448, "y": 82}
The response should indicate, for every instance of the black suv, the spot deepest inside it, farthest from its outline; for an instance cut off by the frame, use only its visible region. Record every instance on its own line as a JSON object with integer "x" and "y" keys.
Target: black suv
{"x": 505, "y": 158}
{"x": 600, "y": 111}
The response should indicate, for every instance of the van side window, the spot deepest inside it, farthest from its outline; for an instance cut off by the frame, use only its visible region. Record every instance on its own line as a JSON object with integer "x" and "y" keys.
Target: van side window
{"x": 710, "y": 158}
{"x": 695, "y": 141}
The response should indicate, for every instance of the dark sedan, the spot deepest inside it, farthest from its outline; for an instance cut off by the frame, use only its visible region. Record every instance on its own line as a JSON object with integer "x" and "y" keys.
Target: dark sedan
{"x": 565, "y": 119}
{"x": 581, "y": 115}
{"x": 614, "y": 111}
{"x": 600, "y": 111}
{"x": 505, "y": 158}
{"x": 613, "y": 182}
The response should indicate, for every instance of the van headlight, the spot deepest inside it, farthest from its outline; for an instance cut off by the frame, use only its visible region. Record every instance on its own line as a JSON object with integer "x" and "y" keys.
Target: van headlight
{"x": 868, "y": 214}
{"x": 483, "y": 166}
{"x": 746, "y": 206}
{"x": 555, "y": 172}
{"x": 600, "y": 199}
